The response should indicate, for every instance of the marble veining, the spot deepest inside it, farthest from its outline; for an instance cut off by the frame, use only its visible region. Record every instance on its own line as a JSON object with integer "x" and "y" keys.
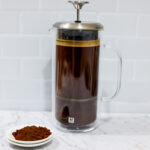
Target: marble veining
{"x": 115, "y": 132}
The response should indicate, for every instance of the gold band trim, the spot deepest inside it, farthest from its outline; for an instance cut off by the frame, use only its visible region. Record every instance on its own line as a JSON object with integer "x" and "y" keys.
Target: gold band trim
{"x": 73, "y": 43}
{"x": 76, "y": 100}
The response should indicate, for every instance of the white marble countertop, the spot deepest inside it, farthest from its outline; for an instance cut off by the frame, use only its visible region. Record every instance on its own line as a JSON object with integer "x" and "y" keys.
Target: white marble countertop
{"x": 116, "y": 132}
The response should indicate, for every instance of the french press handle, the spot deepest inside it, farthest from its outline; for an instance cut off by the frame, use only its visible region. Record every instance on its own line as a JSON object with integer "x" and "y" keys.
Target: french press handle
{"x": 108, "y": 98}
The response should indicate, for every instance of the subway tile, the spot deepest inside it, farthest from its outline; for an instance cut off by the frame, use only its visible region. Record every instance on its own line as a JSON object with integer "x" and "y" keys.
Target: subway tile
{"x": 125, "y": 107}
{"x": 37, "y": 23}
{"x": 35, "y": 51}
{"x": 139, "y": 6}
{"x": 101, "y": 6}
{"x": 109, "y": 61}
{"x": 46, "y": 46}
{"x": 142, "y": 70}
{"x": 109, "y": 69}
{"x": 127, "y": 70}
{"x": 89, "y": 16}
{"x": 84, "y": 16}
{"x": 20, "y": 46}
{"x": 26, "y": 105}
{"x": 1, "y": 42}
{"x": 21, "y": 89}
{"x": 57, "y": 5}
{"x": 0, "y": 50}
{"x": 9, "y": 22}
{"x": 9, "y": 69}
{"x": 119, "y": 25}
{"x": 111, "y": 42}
{"x": 19, "y": 4}
{"x": 134, "y": 48}
{"x": 46, "y": 91}
{"x": 1, "y": 90}
{"x": 134, "y": 92}
{"x": 144, "y": 26}
{"x": 95, "y": 5}
{"x": 36, "y": 69}
{"x": 131, "y": 91}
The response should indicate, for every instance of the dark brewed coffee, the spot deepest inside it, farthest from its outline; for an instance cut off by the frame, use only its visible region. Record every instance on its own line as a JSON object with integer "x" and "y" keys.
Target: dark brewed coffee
{"x": 76, "y": 80}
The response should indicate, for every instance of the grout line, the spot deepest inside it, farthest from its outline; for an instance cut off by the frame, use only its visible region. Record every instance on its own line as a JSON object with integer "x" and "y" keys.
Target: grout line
{"x": 20, "y": 24}
{"x": 39, "y": 10}
{"x": 39, "y": 45}
{"x": 24, "y": 58}
{"x": 1, "y": 52}
{"x": 27, "y": 79}
{"x": 134, "y": 66}
{"x": 19, "y": 71}
{"x": 23, "y": 35}
{"x": 39, "y": 49}
{"x": 126, "y": 37}
{"x": 0, "y": 4}
{"x": 132, "y": 63}
{"x": 49, "y": 58}
{"x": 118, "y": 14}
{"x": 40, "y": 83}
{"x": 117, "y": 6}
{"x": 36, "y": 58}
{"x": 137, "y": 25}
{"x": 49, "y": 35}
{"x": 39, "y": 4}
{"x": 69, "y": 11}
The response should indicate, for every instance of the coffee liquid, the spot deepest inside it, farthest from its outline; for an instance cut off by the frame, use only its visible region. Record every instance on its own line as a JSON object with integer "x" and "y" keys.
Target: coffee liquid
{"x": 77, "y": 63}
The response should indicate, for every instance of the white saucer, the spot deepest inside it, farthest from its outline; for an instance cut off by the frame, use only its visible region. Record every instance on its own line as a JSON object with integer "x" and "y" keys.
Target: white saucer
{"x": 12, "y": 140}
{"x": 29, "y": 145}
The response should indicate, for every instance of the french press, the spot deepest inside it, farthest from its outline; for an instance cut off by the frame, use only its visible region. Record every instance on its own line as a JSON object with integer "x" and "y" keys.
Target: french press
{"x": 76, "y": 59}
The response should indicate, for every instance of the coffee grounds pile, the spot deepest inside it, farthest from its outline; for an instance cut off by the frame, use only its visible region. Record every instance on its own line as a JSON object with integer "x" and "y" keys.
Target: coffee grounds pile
{"x": 31, "y": 133}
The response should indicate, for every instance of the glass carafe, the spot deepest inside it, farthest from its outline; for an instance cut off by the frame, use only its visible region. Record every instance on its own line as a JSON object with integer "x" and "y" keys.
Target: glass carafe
{"x": 76, "y": 58}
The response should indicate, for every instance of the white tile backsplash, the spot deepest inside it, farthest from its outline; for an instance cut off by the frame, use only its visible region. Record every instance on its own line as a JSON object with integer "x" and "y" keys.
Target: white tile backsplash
{"x": 36, "y": 69}
{"x": 19, "y": 4}
{"x": 71, "y": 16}
{"x": 9, "y": 69}
{"x": 106, "y": 68}
{"x": 9, "y": 22}
{"x": 46, "y": 90}
{"x": 58, "y": 5}
{"x": 26, "y": 104}
{"x": 134, "y": 6}
{"x": 20, "y": 46}
{"x": 131, "y": 91}
{"x": 45, "y": 47}
{"x": 101, "y": 6}
{"x": 95, "y": 5}
{"x": 132, "y": 48}
{"x": 26, "y": 50}
{"x": 21, "y": 89}
{"x": 134, "y": 91}
{"x": 1, "y": 90}
{"x": 142, "y": 71}
{"x": 37, "y": 23}
{"x": 143, "y": 26}
{"x": 0, "y": 3}
{"x": 118, "y": 24}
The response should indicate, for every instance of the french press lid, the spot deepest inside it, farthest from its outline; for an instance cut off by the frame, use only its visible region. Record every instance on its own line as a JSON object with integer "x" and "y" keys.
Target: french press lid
{"x": 78, "y": 25}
